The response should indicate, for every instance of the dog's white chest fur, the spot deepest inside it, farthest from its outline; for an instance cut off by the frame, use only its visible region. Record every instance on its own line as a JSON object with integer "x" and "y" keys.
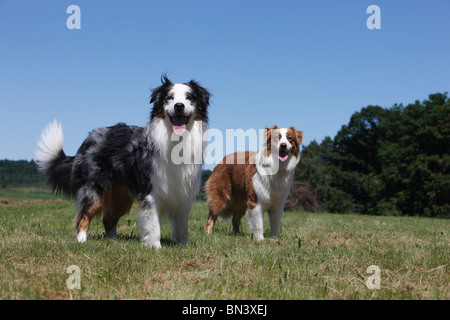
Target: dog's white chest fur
{"x": 176, "y": 163}
{"x": 273, "y": 189}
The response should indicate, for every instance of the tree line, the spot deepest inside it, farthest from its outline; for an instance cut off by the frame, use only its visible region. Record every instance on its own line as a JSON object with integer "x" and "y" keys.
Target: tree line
{"x": 20, "y": 174}
{"x": 385, "y": 161}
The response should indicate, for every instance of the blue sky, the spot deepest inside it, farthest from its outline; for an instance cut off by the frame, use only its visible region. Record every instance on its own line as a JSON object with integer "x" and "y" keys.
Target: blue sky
{"x": 310, "y": 64}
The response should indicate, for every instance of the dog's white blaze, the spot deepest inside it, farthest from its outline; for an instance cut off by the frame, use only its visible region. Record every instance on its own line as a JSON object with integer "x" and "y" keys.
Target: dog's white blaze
{"x": 284, "y": 139}
{"x": 178, "y": 92}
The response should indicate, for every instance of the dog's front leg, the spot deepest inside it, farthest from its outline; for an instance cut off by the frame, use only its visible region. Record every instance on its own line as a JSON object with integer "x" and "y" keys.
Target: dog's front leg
{"x": 149, "y": 223}
{"x": 180, "y": 225}
{"x": 275, "y": 214}
{"x": 255, "y": 222}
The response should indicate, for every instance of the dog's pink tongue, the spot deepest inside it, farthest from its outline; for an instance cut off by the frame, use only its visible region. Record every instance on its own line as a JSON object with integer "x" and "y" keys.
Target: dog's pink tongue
{"x": 283, "y": 158}
{"x": 179, "y": 130}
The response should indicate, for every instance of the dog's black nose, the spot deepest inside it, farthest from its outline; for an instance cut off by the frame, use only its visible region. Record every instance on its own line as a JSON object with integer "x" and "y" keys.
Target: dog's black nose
{"x": 179, "y": 107}
{"x": 283, "y": 146}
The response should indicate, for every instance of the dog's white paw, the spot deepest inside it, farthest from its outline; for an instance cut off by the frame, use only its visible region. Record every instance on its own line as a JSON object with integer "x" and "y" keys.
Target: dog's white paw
{"x": 82, "y": 237}
{"x": 154, "y": 244}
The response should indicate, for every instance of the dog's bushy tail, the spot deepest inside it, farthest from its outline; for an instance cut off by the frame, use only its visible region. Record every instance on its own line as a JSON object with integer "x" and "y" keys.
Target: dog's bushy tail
{"x": 52, "y": 161}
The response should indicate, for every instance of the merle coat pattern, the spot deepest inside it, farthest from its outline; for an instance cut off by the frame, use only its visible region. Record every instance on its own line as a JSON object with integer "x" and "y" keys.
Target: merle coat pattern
{"x": 116, "y": 165}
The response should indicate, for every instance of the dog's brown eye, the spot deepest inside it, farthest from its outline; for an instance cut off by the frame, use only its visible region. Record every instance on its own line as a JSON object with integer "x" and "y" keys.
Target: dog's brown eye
{"x": 168, "y": 98}
{"x": 190, "y": 98}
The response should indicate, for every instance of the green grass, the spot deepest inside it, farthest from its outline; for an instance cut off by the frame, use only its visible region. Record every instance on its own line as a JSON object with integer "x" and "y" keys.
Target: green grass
{"x": 318, "y": 256}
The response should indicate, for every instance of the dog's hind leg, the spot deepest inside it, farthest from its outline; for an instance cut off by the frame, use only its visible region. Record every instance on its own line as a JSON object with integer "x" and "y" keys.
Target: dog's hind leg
{"x": 89, "y": 205}
{"x": 239, "y": 208}
{"x": 210, "y": 222}
{"x": 84, "y": 217}
{"x": 116, "y": 206}
{"x": 110, "y": 223}
{"x": 237, "y": 222}
{"x": 218, "y": 197}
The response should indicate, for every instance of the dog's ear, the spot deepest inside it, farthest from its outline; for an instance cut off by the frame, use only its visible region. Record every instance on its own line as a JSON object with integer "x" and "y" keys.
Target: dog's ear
{"x": 266, "y": 134}
{"x": 269, "y": 131}
{"x": 299, "y": 135}
{"x": 200, "y": 93}
{"x": 158, "y": 93}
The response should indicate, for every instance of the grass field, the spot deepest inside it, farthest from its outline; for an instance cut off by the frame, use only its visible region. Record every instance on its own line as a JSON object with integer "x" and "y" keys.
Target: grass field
{"x": 318, "y": 256}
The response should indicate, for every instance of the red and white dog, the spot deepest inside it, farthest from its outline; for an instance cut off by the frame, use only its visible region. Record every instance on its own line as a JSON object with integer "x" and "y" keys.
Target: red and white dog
{"x": 252, "y": 183}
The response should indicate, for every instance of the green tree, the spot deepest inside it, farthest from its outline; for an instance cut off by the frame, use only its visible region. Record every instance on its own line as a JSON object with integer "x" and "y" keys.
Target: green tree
{"x": 385, "y": 161}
